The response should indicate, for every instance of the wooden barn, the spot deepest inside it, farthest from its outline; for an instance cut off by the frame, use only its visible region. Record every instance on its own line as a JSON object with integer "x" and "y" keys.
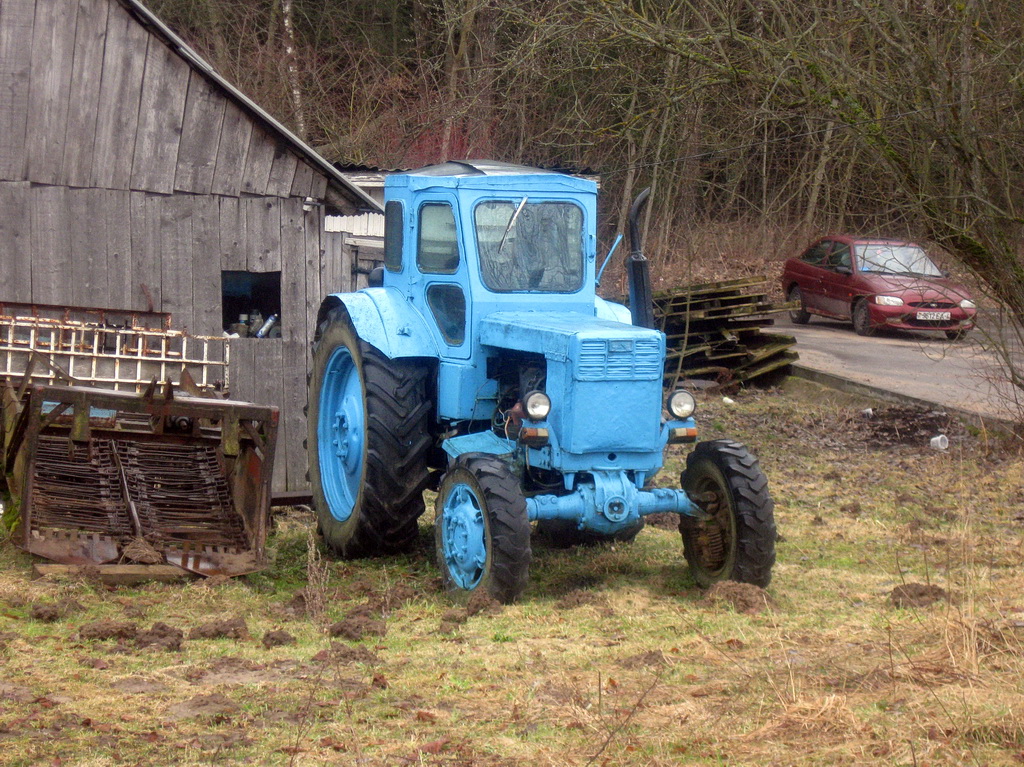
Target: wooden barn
{"x": 132, "y": 176}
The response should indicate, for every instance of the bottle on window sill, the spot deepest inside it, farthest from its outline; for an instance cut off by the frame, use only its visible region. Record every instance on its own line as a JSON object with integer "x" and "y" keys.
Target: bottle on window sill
{"x": 265, "y": 328}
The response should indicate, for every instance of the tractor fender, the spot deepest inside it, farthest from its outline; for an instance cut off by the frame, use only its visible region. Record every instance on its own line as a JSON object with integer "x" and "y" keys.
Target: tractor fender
{"x": 383, "y": 318}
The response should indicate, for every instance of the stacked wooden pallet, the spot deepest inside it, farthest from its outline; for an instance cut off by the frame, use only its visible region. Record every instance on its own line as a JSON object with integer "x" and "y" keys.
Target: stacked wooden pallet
{"x": 714, "y": 331}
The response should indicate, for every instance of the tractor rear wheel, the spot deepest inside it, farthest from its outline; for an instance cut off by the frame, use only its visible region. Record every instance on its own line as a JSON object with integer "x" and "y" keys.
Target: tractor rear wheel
{"x": 368, "y": 419}
{"x": 481, "y": 529}
{"x": 737, "y": 542}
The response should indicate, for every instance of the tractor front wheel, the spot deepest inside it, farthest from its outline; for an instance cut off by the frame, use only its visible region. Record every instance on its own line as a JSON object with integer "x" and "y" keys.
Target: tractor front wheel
{"x": 368, "y": 438}
{"x": 481, "y": 530}
{"x": 737, "y": 541}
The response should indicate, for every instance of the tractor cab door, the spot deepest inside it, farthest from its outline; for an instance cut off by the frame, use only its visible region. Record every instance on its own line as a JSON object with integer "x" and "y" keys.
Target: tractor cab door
{"x": 442, "y": 272}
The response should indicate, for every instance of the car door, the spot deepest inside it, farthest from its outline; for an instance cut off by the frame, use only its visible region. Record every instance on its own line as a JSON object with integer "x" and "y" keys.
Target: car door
{"x": 809, "y": 271}
{"x": 837, "y": 280}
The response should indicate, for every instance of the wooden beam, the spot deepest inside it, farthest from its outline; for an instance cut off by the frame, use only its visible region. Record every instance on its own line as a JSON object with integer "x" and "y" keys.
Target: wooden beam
{"x": 116, "y": 575}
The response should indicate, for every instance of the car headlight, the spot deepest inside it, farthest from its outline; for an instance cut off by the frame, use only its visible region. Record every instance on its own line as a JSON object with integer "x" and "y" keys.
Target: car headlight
{"x": 889, "y": 300}
{"x": 967, "y": 304}
{"x": 537, "y": 405}
{"x": 681, "y": 404}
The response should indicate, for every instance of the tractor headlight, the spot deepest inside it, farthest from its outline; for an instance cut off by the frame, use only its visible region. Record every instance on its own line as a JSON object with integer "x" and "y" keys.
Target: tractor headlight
{"x": 889, "y": 300}
{"x": 537, "y": 405}
{"x": 967, "y": 304}
{"x": 681, "y": 404}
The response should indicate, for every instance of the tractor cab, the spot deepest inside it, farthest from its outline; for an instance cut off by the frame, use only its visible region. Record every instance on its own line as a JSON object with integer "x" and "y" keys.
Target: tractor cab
{"x": 465, "y": 240}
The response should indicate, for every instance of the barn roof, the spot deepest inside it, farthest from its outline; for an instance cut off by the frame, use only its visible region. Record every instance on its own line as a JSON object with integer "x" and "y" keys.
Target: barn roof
{"x": 342, "y": 195}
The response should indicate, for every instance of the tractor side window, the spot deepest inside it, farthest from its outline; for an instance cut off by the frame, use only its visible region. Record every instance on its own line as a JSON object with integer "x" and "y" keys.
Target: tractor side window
{"x": 438, "y": 250}
{"x": 447, "y": 303}
{"x": 530, "y": 246}
{"x": 394, "y": 218}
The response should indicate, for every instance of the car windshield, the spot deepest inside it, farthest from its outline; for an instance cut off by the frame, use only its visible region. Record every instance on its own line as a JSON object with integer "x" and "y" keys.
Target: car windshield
{"x": 896, "y": 259}
{"x": 530, "y": 246}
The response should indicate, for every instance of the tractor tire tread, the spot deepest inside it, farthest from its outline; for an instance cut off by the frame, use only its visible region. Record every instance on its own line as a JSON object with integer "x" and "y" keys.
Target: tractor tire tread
{"x": 755, "y": 520}
{"x": 509, "y": 525}
{"x": 397, "y": 434}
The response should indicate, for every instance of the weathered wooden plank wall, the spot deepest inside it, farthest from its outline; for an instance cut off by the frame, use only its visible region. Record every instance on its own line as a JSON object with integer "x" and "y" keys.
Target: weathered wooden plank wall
{"x": 120, "y": 262}
{"x": 15, "y": 244}
{"x": 120, "y": 92}
{"x": 90, "y": 36}
{"x": 53, "y": 52}
{"x": 15, "y": 64}
{"x": 200, "y": 137}
{"x": 130, "y": 180}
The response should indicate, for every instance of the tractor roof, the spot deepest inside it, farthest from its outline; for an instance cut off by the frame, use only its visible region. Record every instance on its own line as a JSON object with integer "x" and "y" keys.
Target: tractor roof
{"x": 489, "y": 176}
{"x": 476, "y": 168}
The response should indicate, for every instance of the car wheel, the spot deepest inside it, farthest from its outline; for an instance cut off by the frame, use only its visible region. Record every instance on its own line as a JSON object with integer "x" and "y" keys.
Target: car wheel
{"x": 862, "y": 318}
{"x": 956, "y": 335}
{"x": 799, "y": 316}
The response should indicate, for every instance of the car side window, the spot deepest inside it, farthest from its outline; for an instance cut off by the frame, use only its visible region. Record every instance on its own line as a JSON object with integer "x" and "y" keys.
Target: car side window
{"x": 817, "y": 255}
{"x": 840, "y": 256}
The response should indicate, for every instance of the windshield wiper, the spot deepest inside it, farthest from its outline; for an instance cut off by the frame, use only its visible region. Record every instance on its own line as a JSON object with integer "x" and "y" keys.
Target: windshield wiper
{"x": 512, "y": 222}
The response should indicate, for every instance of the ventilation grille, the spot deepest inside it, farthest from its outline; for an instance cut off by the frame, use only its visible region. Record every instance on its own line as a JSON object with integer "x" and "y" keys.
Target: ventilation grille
{"x": 619, "y": 360}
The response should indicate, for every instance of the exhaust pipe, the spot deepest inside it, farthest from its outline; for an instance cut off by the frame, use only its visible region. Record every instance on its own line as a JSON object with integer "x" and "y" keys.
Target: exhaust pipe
{"x": 641, "y": 298}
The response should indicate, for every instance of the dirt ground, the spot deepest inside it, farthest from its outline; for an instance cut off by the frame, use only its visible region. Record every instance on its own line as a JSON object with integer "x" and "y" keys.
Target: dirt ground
{"x": 892, "y": 633}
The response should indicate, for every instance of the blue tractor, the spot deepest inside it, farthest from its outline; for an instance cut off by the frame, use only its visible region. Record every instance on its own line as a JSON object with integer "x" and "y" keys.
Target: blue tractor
{"x": 481, "y": 363}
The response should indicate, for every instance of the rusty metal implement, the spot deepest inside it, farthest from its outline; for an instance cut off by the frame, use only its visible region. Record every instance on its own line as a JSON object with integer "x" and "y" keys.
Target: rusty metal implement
{"x": 91, "y": 471}
{"x": 106, "y": 458}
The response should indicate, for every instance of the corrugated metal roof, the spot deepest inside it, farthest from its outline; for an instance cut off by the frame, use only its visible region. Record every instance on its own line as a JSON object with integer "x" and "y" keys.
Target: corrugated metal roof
{"x": 353, "y": 199}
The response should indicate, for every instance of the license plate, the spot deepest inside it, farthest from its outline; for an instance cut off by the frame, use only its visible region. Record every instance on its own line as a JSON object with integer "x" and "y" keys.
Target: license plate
{"x": 933, "y": 315}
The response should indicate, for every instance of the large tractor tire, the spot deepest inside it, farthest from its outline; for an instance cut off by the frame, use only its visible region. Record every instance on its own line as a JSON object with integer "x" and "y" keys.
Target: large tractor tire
{"x": 482, "y": 531}
{"x": 737, "y": 542}
{"x": 369, "y": 434}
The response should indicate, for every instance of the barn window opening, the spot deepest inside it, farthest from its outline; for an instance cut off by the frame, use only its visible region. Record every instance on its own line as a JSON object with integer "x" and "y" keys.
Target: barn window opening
{"x": 251, "y": 304}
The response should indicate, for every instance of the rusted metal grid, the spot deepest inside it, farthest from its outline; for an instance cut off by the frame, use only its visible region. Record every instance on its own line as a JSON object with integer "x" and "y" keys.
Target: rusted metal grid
{"x": 102, "y": 476}
{"x": 120, "y": 350}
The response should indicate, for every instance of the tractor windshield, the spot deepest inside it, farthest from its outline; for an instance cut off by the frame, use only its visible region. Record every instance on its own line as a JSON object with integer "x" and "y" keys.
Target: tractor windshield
{"x": 530, "y": 246}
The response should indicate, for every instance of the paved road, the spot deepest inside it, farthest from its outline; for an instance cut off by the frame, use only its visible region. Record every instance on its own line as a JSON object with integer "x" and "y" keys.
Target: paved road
{"x": 963, "y": 375}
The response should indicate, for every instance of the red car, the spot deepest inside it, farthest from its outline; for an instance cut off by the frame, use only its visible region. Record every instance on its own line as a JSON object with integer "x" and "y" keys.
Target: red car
{"x": 876, "y": 284}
